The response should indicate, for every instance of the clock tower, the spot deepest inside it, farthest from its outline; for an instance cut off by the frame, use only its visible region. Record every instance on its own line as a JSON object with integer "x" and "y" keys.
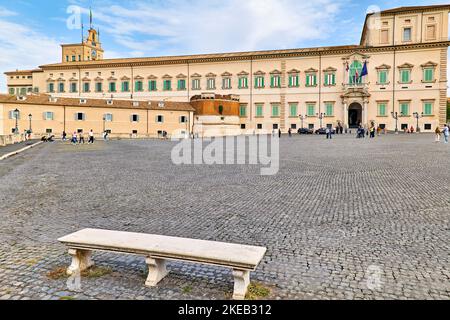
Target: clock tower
{"x": 90, "y": 49}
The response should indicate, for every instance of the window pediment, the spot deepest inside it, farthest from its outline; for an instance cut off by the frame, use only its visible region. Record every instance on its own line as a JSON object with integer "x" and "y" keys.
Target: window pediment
{"x": 99, "y": 79}
{"x": 406, "y": 66}
{"x": 275, "y": 72}
{"x": 226, "y": 74}
{"x": 429, "y": 64}
{"x": 243, "y": 73}
{"x": 112, "y": 79}
{"x": 152, "y": 77}
{"x": 125, "y": 78}
{"x": 61, "y": 80}
{"x": 259, "y": 73}
{"x": 181, "y": 76}
{"x": 311, "y": 70}
{"x": 86, "y": 79}
{"x": 293, "y": 71}
{"x": 211, "y": 75}
{"x": 196, "y": 75}
{"x": 167, "y": 76}
{"x": 330, "y": 69}
{"x": 138, "y": 78}
{"x": 73, "y": 79}
{"x": 383, "y": 67}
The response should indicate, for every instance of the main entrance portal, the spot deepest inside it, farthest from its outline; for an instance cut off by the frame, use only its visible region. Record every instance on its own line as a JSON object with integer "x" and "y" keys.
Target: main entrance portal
{"x": 354, "y": 115}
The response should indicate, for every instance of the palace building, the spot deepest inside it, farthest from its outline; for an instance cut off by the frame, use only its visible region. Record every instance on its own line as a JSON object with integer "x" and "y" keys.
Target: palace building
{"x": 397, "y": 73}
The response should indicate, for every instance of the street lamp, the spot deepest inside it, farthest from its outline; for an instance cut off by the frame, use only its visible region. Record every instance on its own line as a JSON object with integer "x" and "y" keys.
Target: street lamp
{"x": 417, "y": 116}
{"x": 395, "y": 116}
{"x": 302, "y": 118}
{"x": 30, "y": 116}
{"x": 104, "y": 123}
{"x": 320, "y": 116}
{"x": 16, "y": 115}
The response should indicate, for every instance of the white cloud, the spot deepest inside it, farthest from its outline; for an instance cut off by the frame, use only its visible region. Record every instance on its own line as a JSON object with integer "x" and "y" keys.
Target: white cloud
{"x": 23, "y": 48}
{"x": 197, "y": 26}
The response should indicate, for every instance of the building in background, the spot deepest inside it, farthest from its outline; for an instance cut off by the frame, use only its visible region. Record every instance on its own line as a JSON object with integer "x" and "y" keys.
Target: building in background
{"x": 399, "y": 68}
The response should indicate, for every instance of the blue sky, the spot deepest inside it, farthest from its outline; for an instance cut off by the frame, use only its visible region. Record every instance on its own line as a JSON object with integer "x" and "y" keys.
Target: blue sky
{"x": 31, "y": 31}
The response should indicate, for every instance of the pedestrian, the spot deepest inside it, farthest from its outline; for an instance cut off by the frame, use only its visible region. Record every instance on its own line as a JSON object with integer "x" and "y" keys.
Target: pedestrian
{"x": 341, "y": 129}
{"x": 372, "y": 132}
{"x": 290, "y": 132}
{"x": 64, "y": 136}
{"x": 91, "y": 137}
{"x": 438, "y": 134}
{"x": 328, "y": 133}
{"x": 412, "y": 129}
{"x": 81, "y": 138}
{"x": 279, "y": 133}
{"x": 74, "y": 138}
{"x": 446, "y": 133}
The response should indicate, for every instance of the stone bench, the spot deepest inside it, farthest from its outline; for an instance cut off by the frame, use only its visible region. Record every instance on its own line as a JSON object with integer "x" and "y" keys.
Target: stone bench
{"x": 157, "y": 249}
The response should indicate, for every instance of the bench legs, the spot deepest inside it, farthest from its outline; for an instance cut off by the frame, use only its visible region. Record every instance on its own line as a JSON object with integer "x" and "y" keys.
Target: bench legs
{"x": 156, "y": 271}
{"x": 241, "y": 283}
{"x": 81, "y": 260}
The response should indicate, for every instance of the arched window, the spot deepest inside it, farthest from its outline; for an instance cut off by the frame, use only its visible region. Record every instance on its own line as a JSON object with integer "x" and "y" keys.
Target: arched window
{"x": 355, "y": 72}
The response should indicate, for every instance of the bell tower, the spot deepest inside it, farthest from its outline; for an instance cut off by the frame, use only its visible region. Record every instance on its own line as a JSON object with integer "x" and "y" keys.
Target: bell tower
{"x": 90, "y": 48}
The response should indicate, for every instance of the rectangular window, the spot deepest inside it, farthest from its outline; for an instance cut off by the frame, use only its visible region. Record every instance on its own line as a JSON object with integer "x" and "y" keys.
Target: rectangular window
{"x": 195, "y": 84}
{"x": 294, "y": 80}
{"x": 138, "y": 86}
{"x": 183, "y": 119}
{"x": 404, "y": 108}
{"x": 293, "y": 110}
{"x": 48, "y": 131}
{"x": 311, "y": 80}
{"x": 259, "y": 126}
{"x": 259, "y": 110}
{"x": 167, "y": 85}
{"x": 382, "y": 109}
{"x": 152, "y": 85}
{"x": 112, "y": 87}
{"x": 329, "y": 109}
{"x": 11, "y": 90}
{"x": 382, "y": 77}
{"x": 181, "y": 84}
{"x": 407, "y": 32}
{"x": 51, "y": 87}
{"x": 226, "y": 83}
{"x": 99, "y": 87}
{"x": 259, "y": 82}
{"x": 134, "y": 118}
{"x": 243, "y": 83}
{"x": 384, "y": 38}
{"x": 431, "y": 32}
{"x": 330, "y": 79}
{"x": 428, "y": 108}
{"x": 86, "y": 87}
{"x": 74, "y": 58}
{"x": 125, "y": 86}
{"x": 405, "y": 76}
{"x": 79, "y": 116}
{"x": 211, "y": 84}
{"x": 48, "y": 115}
{"x": 160, "y": 119}
{"x": 428, "y": 75}
{"x": 108, "y": 117}
{"x": 73, "y": 87}
{"x": 61, "y": 87}
{"x": 243, "y": 110}
{"x": 275, "y": 81}
{"x": 311, "y": 110}
{"x": 275, "y": 110}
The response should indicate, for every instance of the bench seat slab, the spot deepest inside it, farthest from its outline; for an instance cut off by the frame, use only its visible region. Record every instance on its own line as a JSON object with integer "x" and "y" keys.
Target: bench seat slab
{"x": 81, "y": 260}
{"x": 156, "y": 271}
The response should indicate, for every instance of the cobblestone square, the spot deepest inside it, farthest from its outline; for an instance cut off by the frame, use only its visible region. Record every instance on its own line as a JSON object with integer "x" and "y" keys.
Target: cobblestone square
{"x": 343, "y": 219}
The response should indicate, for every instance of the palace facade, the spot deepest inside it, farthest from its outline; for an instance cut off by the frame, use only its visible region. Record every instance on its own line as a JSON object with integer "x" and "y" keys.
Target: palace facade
{"x": 403, "y": 50}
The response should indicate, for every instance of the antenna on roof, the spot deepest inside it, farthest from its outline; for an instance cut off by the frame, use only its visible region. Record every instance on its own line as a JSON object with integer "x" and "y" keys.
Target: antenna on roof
{"x": 82, "y": 31}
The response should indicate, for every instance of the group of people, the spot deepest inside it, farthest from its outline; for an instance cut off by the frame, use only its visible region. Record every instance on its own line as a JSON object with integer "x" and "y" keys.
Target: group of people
{"x": 362, "y": 132}
{"x": 78, "y": 138}
{"x": 445, "y": 132}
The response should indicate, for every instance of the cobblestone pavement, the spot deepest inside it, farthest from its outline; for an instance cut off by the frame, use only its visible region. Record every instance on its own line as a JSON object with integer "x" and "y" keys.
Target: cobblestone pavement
{"x": 343, "y": 219}
{"x": 14, "y": 147}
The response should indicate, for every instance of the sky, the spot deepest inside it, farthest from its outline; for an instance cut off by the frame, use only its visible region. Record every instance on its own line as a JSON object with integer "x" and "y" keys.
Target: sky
{"x": 31, "y": 31}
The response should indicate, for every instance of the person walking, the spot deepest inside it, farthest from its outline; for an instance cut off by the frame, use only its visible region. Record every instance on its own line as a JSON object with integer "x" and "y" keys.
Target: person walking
{"x": 446, "y": 133}
{"x": 74, "y": 138}
{"x": 81, "y": 138}
{"x": 372, "y": 132}
{"x": 438, "y": 134}
{"x": 290, "y": 132}
{"x": 91, "y": 137}
{"x": 328, "y": 133}
{"x": 279, "y": 133}
{"x": 64, "y": 136}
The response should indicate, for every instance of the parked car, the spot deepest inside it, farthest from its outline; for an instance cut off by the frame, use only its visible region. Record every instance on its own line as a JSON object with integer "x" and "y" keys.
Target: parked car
{"x": 305, "y": 131}
{"x": 324, "y": 131}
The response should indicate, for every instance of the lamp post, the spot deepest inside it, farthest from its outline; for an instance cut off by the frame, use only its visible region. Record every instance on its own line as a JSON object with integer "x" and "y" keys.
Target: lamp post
{"x": 417, "y": 116}
{"x": 320, "y": 116}
{"x": 30, "y": 116}
{"x": 16, "y": 116}
{"x": 395, "y": 116}
{"x": 302, "y": 118}
{"x": 104, "y": 123}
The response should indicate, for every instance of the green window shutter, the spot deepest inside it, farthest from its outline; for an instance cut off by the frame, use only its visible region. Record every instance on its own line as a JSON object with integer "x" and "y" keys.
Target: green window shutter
{"x": 382, "y": 109}
{"x": 242, "y": 111}
{"x": 308, "y": 77}
{"x": 293, "y": 110}
{"x": 428, "y": 108}
{"x": 272, "y": 81}
{"x": 311, "y": 111}
{"x": 405, "y": 76}
{"x": 314, "y": 80}
{"x": 333, "y": 79}
{"x": 329, "y": 109}
{"x": 404, "y": 109}
{"x": 259, "y": 110}
{"x": 429, "y": 75}
{"x": 240, "y": 83}
{"x": 291, "y": 81}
